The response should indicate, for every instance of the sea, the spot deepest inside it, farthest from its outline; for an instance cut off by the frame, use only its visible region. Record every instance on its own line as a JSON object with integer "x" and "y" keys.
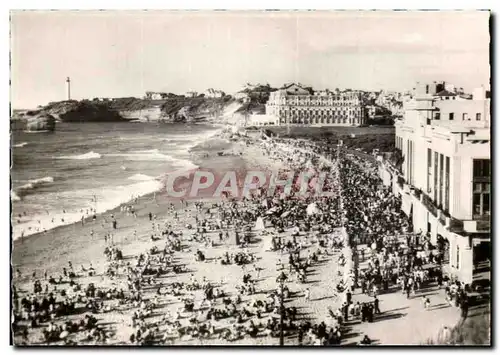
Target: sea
{"x": 58, "y": 177}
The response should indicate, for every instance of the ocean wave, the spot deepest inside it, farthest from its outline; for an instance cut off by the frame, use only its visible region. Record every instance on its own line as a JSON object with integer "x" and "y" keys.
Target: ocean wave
{"x": 150, "y": 151}
{"x": 141, "y": 177}
{"x": 137, "y": 156}
{"x": 32, "y": 184}
{"x": 44, "y": 131}
{"x": 154, "y": 155}
{"x": 202, "y": 138}
{"x": 89, "y": 155}
{"x": 14, "y": 196}
{"x": 19, "y": 145}
{"x": 107, "y": 199}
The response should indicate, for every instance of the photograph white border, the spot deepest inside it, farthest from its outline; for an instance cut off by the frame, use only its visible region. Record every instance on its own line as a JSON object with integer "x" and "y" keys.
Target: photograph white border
{"x": 7, "y": 5}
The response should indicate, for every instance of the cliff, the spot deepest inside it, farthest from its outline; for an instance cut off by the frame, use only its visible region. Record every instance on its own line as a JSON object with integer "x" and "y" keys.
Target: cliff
{"x": 149, "y": 114}
{"x": 173, "y": 108}
{"x": 80, "y": 111}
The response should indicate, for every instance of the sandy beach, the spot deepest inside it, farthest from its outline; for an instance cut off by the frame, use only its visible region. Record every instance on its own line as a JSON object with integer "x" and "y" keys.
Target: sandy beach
{"x": 83, "y": 245}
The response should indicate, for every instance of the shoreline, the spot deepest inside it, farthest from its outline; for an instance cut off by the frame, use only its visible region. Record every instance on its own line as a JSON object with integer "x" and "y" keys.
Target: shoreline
{"x": 74, "y": 218}
{"x": 51, "y": 252}
{"x": 143, "y": 202}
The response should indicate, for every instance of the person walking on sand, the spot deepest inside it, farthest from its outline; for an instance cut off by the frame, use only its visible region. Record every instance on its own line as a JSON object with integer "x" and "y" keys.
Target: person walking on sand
{"x": 257, "y": 270}
{"x": 307, "y": 295}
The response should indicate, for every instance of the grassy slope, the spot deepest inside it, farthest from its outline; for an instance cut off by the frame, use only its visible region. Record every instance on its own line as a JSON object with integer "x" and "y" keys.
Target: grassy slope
{"x": 366, "y": 138}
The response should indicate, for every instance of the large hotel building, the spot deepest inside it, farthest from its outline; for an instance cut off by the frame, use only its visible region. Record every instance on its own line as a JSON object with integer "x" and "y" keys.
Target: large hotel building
{"x": 445, "y": 179}
{"x": 295, "y": 105}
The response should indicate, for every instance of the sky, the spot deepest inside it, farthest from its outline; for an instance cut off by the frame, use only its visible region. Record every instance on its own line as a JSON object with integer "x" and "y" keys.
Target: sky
{"x": 126, "y": 53}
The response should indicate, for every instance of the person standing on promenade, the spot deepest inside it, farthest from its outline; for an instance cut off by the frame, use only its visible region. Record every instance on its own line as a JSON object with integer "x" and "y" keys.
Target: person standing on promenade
{"x": 376, "y": 303}
{"x": 426, "y": 301}
{"x": 464, "y": 308}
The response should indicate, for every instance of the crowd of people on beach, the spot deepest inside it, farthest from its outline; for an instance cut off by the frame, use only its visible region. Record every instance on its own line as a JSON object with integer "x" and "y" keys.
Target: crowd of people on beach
{"x": 301, "y": 232}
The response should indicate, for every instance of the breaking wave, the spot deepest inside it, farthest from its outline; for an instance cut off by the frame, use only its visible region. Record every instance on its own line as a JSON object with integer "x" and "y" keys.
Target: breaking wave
{"x": 86, "y": 156}
{"x": 141, "y": 177}
{"x": 33, "y": 184}
{"x": 14, "y": 196}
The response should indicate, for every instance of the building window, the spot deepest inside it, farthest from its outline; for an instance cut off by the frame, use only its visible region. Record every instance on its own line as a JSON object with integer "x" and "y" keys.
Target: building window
{"x": 458, "y": 257}
{"x": 437, "y": 116}
{"x": 435, "y": 175}
{"x": 482, "y": 168}
{"x": 441, "y": 173}
{"x": 447, "y": 185}
{"x": 481, "y": 188}
{"x": 464, "y": 117}
{"x": 429, "y": 169}
{"x": 452, "y": 116}
{"x": 478, "y": 117}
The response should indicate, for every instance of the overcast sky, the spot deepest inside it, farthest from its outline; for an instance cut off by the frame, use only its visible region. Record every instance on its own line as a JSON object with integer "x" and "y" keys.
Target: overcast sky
{"x": 116, "y": 54}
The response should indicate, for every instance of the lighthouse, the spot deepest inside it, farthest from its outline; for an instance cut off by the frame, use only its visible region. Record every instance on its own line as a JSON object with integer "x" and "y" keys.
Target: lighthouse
{"x": 68, "y": 87}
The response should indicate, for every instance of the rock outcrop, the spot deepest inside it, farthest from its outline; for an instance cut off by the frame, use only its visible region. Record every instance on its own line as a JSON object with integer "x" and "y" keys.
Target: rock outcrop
{"x": 172, "y": 109}
{"x": 82, "y": 111}
{"x": 41, "y": 122}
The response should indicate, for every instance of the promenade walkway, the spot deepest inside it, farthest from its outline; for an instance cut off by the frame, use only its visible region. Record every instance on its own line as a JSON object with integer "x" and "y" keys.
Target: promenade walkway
{"x": 403, "y": 321}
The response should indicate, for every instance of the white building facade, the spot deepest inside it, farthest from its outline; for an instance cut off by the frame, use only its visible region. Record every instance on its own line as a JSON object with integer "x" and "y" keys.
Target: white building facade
{"x": 445, "y": 182}
{"x": 214, "y": 94}
{"x": 262, "y": 120}
{"x": 295, "y": 105}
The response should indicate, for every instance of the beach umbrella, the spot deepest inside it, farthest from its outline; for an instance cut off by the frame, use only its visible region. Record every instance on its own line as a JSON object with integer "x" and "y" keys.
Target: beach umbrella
{"x": 271, "y": 210}
{"x": 285, "y": 214}
{"x": 259, "y": 224}
{"x": 64, "y": 334}
{"x": 312, "y": 209}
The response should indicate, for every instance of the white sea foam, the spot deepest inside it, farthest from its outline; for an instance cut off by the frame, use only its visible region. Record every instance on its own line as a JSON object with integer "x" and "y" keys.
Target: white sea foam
{"x": 86, "y": 156}
{"x": 107, "y": 199}
{"x": 19, "y": 145}
{"x": 141, "y": 177}
{"x": 14, "y": 196}
{"x": 144, "y": 156}
{"x": 32, "y": 184}
{"x": 154, "y": 155}
{"x": 150, "y": 151}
